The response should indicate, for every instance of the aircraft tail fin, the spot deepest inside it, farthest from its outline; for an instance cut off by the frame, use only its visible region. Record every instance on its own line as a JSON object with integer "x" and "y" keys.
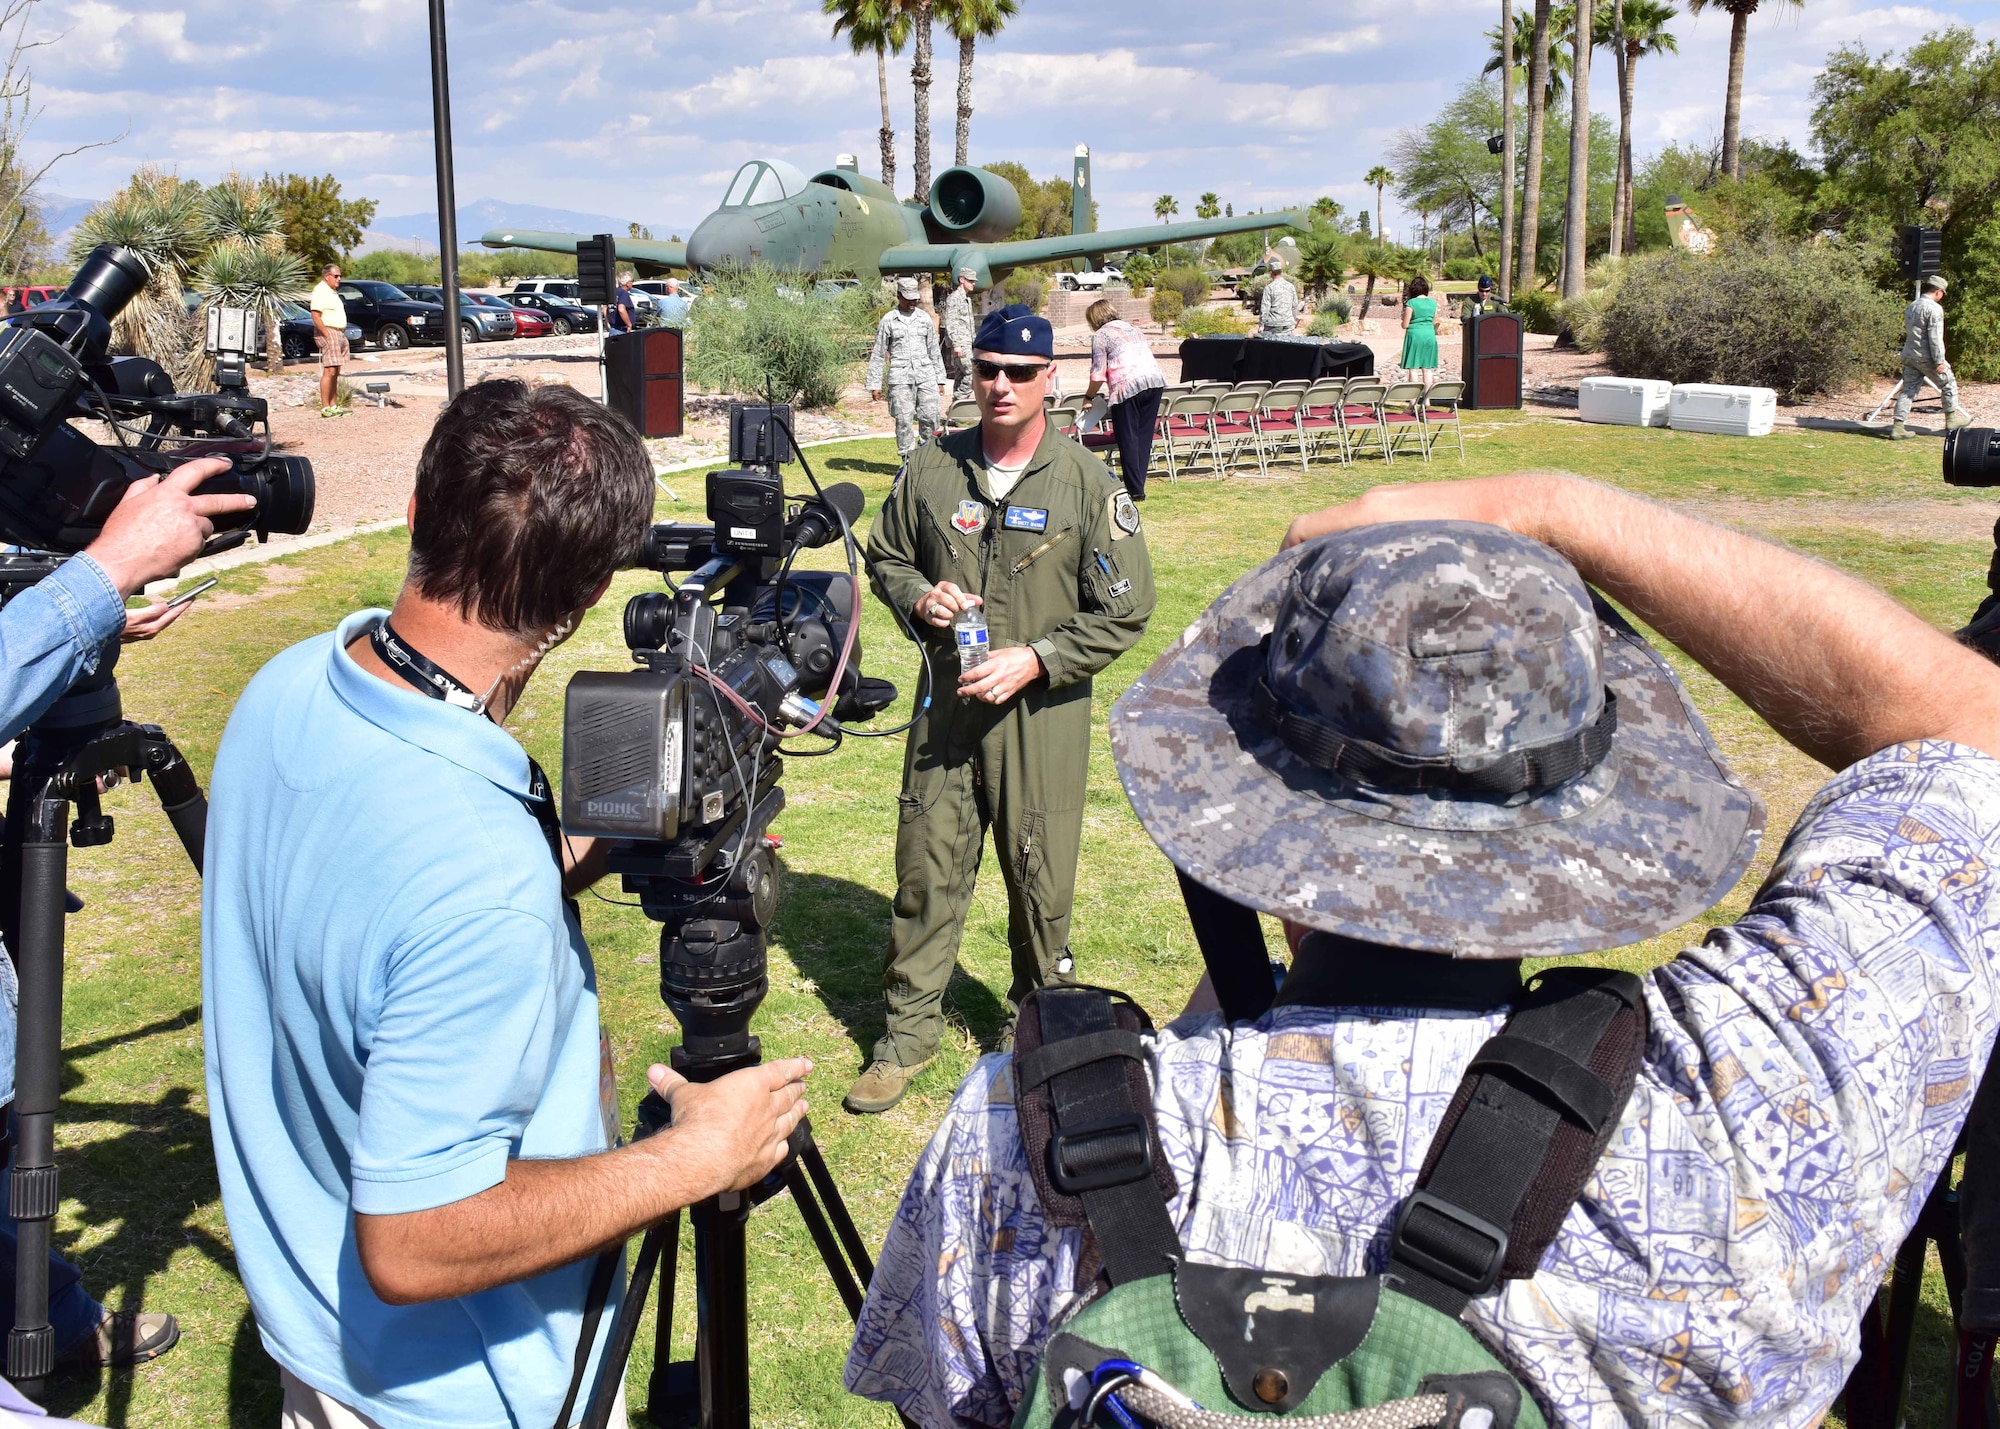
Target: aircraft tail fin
{"x": 1081, "y": 218}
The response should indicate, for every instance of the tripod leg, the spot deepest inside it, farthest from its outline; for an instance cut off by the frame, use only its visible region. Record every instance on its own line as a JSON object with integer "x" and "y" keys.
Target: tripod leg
{"x": 836, "y": 1208}
{"x": 822, "y": 1234}
{"x": 722, "y": 1311}
{"x": 181, "y": 798}
{"x": 617, "y": 1350}
{"x": 671, "y": 1396}
{"x": 38, "y": 958}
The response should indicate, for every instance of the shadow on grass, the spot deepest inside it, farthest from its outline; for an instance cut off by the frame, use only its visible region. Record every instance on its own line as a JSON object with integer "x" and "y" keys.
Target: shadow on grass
{"x": 855, "y": 463}
{"x": 837, "y": 933}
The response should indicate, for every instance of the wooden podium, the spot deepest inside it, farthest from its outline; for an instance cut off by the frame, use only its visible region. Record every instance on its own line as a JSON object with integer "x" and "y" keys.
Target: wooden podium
{"x": 1492, "y": 360}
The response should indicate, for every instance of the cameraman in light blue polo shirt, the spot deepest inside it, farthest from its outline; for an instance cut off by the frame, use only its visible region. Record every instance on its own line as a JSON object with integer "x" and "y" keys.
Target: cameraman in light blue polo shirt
{"x": 413, "y": 1106}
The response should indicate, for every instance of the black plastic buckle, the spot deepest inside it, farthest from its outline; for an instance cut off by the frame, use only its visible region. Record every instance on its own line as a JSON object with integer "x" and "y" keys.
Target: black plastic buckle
{"x": 1105, "y": 1163}
{"x": 1476, "y": 1281}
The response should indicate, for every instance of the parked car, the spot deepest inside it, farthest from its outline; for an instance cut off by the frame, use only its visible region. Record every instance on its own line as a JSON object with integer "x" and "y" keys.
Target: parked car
{"x": 527, "y": 321}
{"x": 564, "y": 288}
{"x": 34, "y": 297}
{"x": 295, "y": 332}
{"x": 563, "y": 315}
{"x": 476, "y": 321}
{"x": 390, "y": 317}
{"x": 1090, "y": 282}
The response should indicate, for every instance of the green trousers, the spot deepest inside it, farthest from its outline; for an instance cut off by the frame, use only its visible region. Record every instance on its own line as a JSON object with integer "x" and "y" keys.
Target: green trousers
{"x": 1020, "y": 771}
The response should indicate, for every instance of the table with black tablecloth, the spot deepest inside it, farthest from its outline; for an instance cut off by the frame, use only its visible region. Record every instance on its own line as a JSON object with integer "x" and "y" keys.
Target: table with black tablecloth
{"x": 1272, "y": 359}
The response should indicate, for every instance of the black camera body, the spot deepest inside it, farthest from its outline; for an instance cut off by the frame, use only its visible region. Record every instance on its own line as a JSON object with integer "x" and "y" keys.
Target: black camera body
{"x": 57, "y": 486}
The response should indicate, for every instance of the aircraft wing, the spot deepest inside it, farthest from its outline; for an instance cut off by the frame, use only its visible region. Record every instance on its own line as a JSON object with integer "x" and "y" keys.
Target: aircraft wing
{"x": 644, "y": 253}
{"x": 999, "y": 257}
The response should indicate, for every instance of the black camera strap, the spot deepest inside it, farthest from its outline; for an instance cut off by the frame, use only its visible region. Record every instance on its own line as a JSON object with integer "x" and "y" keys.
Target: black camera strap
{"x": 428, "y": 677}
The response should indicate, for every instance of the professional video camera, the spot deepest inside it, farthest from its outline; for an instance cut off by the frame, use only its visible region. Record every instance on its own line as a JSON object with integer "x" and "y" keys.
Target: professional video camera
{"x": 679, "y": 762}
{"x": 57, "y": 486}
{"x": 1972, "y": 457}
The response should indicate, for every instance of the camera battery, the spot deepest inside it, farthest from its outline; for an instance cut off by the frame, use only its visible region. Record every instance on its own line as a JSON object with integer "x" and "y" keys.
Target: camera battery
{"x": 623, "y": 757}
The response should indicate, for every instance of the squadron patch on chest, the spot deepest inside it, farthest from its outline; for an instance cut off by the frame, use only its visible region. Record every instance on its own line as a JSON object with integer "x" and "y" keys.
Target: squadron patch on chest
{"x": 1025, "y": 518}
{"x": 970, "y": 517}
{"x": 1124, "y": 516}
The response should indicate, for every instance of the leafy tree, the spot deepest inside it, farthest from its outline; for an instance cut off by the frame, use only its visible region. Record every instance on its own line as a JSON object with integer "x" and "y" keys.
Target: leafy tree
{"x": 1209, "y": 206}
{"x": 1636, "y": 28}
{"x": 1378, "y": 178}
{"x": 971, "y": 21}
{"x": 1165, "y": 207}
{"x": 1740, "y": 12}
{"x": 1920, "y": 138}
{"x": 1444, "y": 167}
{"x": 880, "y": 28}
{"x": 1361, "y": 224}
{"x": 1326, "y": 210}
{"x": 1777, "y": 197}
{"x": 1229, "y": 210}
{"x": 319, "y": 225}
{"x": 1562, "y": 20}
{"x": 638, "y": 230}
{"x": 1375, "y": 261}
{"x": 1045, "y": 203}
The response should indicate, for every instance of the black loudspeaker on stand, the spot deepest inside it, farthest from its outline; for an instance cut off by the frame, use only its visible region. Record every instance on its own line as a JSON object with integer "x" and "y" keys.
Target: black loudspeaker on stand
{"x": 58, "y": 762}
{"x": 643, "y": 379}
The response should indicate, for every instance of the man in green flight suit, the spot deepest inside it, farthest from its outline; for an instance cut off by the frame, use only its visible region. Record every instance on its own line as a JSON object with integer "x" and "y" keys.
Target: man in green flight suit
{"x": 1015, "y": 518}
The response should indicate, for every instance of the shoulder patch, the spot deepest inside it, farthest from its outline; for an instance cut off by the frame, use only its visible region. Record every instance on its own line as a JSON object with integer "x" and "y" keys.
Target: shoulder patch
{"x": 1124, "y": 513}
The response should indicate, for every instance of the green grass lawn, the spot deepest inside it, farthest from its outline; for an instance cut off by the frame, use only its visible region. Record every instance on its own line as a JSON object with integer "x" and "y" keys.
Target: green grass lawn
{"x": 142, "y": 1213}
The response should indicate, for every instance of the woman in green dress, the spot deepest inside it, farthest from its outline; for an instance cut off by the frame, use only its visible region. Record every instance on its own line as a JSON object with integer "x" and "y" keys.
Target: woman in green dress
{"x": 1420, "y": 334}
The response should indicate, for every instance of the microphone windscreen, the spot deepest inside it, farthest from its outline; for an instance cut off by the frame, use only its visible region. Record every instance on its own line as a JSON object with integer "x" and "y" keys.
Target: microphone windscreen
{"x": 848, "y": 499}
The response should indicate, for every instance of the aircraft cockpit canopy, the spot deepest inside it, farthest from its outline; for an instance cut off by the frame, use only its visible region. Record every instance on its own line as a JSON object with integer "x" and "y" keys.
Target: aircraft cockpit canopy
{"x": 763, "y": 181}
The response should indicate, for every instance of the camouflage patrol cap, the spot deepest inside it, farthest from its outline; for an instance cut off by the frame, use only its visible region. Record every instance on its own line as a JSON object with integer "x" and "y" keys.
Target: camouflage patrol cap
{"x": 1433, "y": 735}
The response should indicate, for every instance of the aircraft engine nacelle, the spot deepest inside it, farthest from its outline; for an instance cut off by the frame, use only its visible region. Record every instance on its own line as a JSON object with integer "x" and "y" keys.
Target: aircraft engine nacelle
{"x": 973, "y": 204}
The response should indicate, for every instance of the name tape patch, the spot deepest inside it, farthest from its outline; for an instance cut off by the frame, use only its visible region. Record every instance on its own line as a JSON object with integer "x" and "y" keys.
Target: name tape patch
{"x": 1025, "y": 518}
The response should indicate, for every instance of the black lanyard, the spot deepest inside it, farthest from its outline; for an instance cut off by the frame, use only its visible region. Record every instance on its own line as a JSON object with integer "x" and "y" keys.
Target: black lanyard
{"x": 429, "y": 678}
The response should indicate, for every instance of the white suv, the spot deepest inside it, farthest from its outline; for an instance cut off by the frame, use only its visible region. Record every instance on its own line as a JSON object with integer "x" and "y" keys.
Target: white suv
{"x": 555, "y": 287}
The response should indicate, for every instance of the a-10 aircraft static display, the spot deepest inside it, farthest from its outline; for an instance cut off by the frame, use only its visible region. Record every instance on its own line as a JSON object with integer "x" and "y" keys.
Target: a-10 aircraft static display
{"x": 841, "y": 221}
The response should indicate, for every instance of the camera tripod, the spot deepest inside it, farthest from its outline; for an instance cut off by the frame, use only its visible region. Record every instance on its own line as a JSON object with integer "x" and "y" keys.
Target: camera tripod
{"x": 82, "y": 737}
{"x": 712, "y": 977}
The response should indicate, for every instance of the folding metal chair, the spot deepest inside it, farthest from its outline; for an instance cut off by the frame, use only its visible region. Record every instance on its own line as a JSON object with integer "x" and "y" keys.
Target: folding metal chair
{"x": 1065, "y": 416}
{"x": 1235, "y": 421}
{"x": 1217, "y": 388}
{"x": 1401, "y": 409}
{"x": 962, "y": 414}
{"x": 1186, "y": 429}
{"x": 1441, "y": 409}
{"x": 1361, "y": 414}
{"x": 1319, "y": 414}
{"x": 1281, "y": 414}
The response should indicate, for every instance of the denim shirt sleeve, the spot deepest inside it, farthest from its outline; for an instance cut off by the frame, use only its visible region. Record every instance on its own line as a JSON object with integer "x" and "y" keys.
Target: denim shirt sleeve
{"x": 50, "y": 635}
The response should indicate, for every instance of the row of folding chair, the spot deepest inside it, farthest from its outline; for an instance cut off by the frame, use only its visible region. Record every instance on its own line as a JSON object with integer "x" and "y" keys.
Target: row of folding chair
{"x": 1211, "y": 430}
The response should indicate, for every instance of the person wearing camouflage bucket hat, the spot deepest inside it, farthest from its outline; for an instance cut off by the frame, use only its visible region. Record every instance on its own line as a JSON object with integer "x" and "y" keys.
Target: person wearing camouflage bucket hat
{"x": 1422, "y": 740}
{"x": 1450, "y": 747}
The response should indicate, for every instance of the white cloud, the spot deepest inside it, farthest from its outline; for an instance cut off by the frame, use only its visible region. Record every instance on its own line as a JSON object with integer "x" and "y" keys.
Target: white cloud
{"x": 101, "y": 35}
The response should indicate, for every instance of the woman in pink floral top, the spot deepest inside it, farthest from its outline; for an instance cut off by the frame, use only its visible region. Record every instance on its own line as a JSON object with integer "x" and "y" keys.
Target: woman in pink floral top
{"x": 1121, "y": 359}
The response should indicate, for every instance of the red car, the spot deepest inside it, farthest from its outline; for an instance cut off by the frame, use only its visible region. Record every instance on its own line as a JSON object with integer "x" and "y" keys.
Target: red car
{"x": 527, "y": 321}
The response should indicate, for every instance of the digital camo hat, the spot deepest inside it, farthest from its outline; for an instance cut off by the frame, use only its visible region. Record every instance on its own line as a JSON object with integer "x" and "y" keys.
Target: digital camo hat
{"x": 1433, "y": 735}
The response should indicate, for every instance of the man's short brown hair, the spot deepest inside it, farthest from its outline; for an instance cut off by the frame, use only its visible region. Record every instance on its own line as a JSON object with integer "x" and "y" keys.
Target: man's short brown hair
{"x": 527, "y": 498}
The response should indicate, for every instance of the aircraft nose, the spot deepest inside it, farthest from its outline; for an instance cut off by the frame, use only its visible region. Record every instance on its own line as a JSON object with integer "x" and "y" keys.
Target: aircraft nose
{"x": 724, "y": 240}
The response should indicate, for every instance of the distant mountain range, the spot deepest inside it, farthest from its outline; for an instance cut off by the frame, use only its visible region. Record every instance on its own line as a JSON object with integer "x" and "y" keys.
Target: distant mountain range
{"x": 61, "y": 213}
{"x": 484, "y": 214}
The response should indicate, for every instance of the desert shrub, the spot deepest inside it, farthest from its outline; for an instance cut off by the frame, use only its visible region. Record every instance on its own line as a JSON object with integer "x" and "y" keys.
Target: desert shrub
{"x": 1190, "y": 283}
{"x": 1463, "y": 270}
{"x": 1539, "y": 310}
{"x": 1025, "y": 285}
{"x": 753, "y": 328}
{"x": 1166, "y": 306}
{"x": 1796, "y": 317}
{"x": 386, "y": 265}
{"x": 1209, "y": 322}
{"x": 1584, "y": 315}
{"x": 1140, "y": 270}
{"x": 1329, "y": 316}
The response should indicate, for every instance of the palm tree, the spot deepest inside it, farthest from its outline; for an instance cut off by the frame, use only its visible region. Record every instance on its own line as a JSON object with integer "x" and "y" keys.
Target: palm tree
{"x": 1576, "y": 221}
{"x": 1740, "y": 12}
{"x": 1507, "y": 52}
{"x": 1562, "y": 20}
{"x": 1165, "y": 207}
{"x": 1209, "y": 206}
{"x": 971, "y": 21}
{"x": 1373, "y": 261}
{"x": 1638, "y": 27}
{"x": 1538, "y": 113}
{"x": 920, "y": 14}
{"x": 880, "y": 28}
{"x": 1322, "y": 259}
{"x": 1380, "y": 178}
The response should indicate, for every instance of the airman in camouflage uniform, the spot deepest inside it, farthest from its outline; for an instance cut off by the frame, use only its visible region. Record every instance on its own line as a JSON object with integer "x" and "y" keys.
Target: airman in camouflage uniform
{"x": 1060, "y": 566}
{"x": 960, "y": 319}
{"x": 907, "y": 360}
{"x": 1278, "y": 308}
{"x": 1923, "y": 357}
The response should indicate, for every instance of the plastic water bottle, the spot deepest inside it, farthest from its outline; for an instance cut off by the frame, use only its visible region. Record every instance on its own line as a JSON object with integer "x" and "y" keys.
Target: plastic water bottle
{"x": 970, "y": 630}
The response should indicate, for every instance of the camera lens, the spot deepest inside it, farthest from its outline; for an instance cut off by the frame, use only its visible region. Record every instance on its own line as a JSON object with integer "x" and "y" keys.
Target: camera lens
{"x": 649, "y": 618}
{"x": 1972, "y": 457}
{"x": 109, "y": 279}
{"x": 285, "y": 496}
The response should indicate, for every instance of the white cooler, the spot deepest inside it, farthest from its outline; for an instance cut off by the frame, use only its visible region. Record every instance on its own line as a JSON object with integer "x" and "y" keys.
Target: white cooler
{"x": 1623, "y": 401}
{"x": 1732, "y": 411}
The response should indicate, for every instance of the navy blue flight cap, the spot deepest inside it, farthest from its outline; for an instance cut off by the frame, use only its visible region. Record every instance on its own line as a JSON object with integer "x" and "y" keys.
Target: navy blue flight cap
{"x": 1014, "y": 331}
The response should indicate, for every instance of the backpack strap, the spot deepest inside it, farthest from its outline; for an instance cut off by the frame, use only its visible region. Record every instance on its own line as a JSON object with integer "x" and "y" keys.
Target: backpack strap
{"x": 1523, "y": 1133}
{"x": 1086, "y": 1115}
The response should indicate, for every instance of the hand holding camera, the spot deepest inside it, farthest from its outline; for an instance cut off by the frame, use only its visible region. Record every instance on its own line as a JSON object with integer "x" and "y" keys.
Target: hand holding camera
{"x": 159, "y": 525}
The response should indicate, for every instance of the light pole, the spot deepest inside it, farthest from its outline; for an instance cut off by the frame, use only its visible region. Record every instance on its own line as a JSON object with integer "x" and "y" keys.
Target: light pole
{"x": 454, "y": 345}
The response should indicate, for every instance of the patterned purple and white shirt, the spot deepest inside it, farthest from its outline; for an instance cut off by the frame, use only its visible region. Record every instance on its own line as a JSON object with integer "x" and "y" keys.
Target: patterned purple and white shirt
{"x": 1807, "y": 1075}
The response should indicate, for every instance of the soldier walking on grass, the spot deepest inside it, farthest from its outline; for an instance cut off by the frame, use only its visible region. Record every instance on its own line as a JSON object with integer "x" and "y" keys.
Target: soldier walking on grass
{"x": 1278, "y": 307}
{"x": 1923, "y": 357}
{"x": 960, "y": 321}
{"x": 907, "y": 362}
{"x": 1015, "y": 518}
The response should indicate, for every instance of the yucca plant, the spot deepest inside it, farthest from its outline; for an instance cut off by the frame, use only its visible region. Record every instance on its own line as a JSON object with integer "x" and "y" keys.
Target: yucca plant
{"x": 162, "y": 219}
{"x": 240, "y": 274}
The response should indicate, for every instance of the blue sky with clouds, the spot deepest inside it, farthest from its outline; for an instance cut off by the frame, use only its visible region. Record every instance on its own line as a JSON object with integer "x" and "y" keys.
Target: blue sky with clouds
{"x": 643, "y": 111}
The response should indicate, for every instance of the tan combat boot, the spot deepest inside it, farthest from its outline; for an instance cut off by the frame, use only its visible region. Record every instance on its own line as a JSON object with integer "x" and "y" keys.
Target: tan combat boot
{"x": 1899, "y": 433}
{"x": 1954, "y": 420}
{"x": 881, "y": 1087}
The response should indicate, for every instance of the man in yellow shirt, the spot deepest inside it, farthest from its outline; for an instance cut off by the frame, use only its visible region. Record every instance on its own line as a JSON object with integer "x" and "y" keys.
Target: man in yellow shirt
{"x": 329, "y": 316}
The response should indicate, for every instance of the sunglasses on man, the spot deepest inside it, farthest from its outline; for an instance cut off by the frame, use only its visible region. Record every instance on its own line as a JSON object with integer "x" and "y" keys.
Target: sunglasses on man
{"x": 1017, "y": 372}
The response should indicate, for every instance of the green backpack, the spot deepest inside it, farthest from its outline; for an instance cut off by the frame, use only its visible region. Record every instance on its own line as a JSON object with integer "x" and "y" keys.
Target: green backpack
{"x": 1157, "y": 1339}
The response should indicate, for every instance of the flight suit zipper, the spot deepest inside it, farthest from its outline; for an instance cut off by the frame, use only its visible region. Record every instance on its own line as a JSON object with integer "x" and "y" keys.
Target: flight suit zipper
{"x": 1040, "y": 551}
